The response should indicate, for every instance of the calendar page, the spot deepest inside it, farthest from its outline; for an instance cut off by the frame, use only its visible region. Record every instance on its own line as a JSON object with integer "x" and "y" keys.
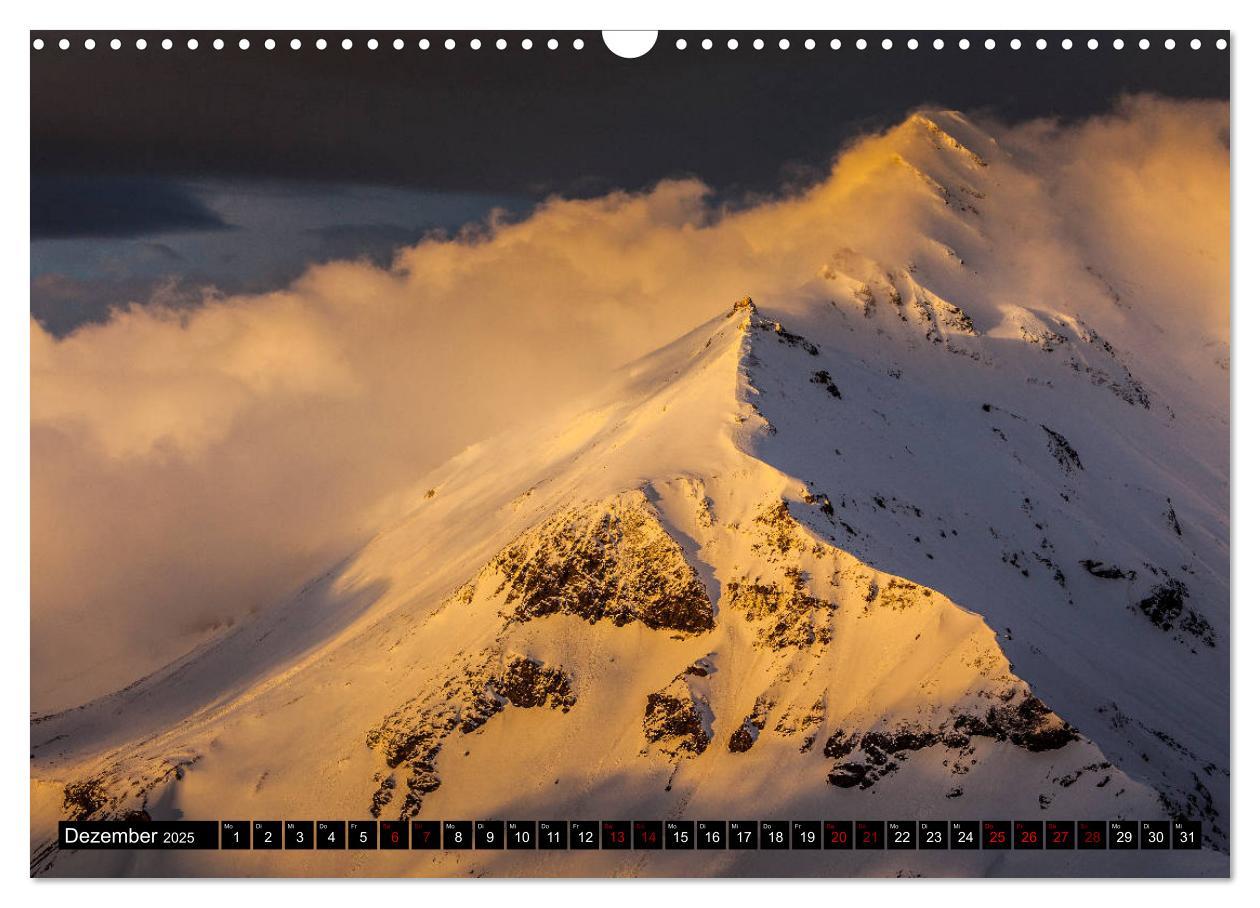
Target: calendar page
{"x": 670, "y": 454}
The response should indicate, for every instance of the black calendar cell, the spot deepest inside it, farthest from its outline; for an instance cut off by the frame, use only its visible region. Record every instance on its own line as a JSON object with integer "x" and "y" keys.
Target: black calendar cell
{"x": 426, "y": 835}
{"x": 615, "y": 834}
{"x": 1122, "y": 835}
{"x": 1187, "y": 834}
{"x": 964, "y": 835}
{"x": 234, "y": 834}
{"x": 680, "y": 834}
{"x": 1029, "y": 835}
{"x": 362, "y": 835}
{"x": 648, "y": 835}
{"x": 1155, "y": 834}
{"x": 457, "y": 835}
{"x": 933, "y": 835}
{"x": 299, "y": 835}
{"x": 267, "y": 835}
{"x": 1091, "y": 835}
{"x": 806, "y": 834}
{"x": 837, "y": 835}
{"x": 711, "y": 835}
{"x": 742, "y": 835}
{"x": 900, "y": 835}
{"x": 330, "y": 834}
{"x": 553, "y": 835}
{"x": 584, "y": 835}
{"x": 868, "y": 835}
{"x": 521, "y": 835}
{"x": 488, "y": 835}
{"x": 394, "y": 834}
{"x": 995, "y": 834}
{"x": 774, "y": 835}
{"x": 1060, "y": 835}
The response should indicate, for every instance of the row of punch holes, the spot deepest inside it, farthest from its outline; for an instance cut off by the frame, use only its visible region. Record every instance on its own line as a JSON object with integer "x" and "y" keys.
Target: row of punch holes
{"x": 681, "y": 44}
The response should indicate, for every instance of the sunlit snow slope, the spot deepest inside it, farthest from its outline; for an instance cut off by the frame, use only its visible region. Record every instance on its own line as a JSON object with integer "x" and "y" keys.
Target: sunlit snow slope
{"x": 900, "y": 546}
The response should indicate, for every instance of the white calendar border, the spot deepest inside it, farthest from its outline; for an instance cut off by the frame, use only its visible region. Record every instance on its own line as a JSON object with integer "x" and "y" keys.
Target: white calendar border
{"x": 503, "y": 14}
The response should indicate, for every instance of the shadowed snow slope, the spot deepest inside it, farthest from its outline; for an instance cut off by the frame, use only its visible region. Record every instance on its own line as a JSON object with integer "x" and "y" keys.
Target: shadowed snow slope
{"x": 900, "y": 545}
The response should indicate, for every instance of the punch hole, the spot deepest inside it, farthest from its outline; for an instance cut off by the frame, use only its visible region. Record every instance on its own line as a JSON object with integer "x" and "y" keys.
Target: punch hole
{"x": 630, "y": 45}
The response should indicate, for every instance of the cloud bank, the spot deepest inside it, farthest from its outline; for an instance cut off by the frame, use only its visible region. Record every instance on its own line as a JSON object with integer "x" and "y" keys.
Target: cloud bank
{"x": 190, "y": 465}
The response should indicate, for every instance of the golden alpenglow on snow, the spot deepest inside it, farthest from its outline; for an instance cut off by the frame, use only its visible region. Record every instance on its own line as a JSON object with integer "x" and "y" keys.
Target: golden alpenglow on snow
{"x": 872, "y": 472}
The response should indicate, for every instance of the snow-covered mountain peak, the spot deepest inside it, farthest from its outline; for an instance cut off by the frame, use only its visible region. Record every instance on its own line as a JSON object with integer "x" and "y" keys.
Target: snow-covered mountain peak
{"x": 766, "y": 563}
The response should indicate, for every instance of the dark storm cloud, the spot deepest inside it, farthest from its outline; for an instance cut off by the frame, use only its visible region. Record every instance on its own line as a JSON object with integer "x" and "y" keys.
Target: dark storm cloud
{"x": 375, "y": 242}
{"x": 61, "y": 303}
{"x": 65, "y": 206}
{"x": 534, "y": 122}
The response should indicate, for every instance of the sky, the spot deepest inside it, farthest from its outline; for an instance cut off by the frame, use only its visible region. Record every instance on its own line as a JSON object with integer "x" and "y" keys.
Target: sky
{"x": 252, "y": 327}
{"x": 174, "y": 173}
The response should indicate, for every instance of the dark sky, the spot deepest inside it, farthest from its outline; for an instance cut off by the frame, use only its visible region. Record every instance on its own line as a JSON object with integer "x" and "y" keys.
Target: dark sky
{"x": 520, "y": 121}
{"x": 124, "y": 143}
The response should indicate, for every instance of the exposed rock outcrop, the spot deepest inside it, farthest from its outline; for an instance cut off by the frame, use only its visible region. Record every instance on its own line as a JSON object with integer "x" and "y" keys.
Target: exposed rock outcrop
{"x": 608, "y": 561}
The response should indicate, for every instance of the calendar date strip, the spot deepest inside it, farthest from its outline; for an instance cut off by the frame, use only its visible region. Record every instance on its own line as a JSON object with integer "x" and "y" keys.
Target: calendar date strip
{"x": 636, "y": 835}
